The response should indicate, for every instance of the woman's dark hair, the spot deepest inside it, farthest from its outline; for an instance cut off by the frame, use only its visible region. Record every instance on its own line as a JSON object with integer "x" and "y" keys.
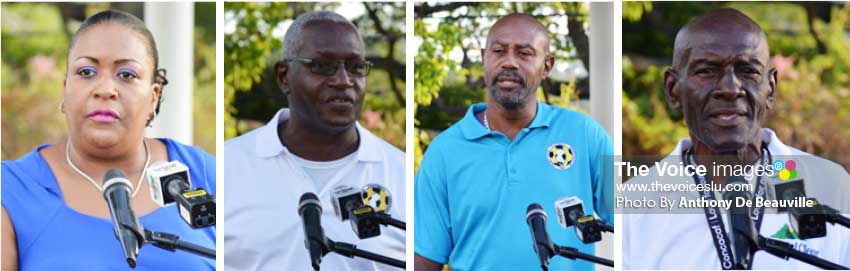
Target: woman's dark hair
{"x": 132, "y": 22}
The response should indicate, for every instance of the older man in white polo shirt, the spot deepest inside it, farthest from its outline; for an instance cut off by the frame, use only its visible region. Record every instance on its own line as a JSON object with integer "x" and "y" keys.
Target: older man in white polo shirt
{"x": 315, "y": 145}
{"x": 722, "y": 83}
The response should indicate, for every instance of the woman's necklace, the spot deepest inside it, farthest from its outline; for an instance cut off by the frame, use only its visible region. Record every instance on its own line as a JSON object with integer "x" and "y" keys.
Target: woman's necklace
{"x": 141, "y": 177}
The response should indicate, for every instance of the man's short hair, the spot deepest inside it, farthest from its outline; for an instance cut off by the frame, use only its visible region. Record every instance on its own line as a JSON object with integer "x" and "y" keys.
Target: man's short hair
{"x": 727, "y": 17}
{"x": 537, "y": 26}
{"x": 295, "y": 33}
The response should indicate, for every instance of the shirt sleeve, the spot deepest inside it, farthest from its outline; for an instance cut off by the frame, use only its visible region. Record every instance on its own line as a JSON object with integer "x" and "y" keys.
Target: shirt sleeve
{"x": 431, "y": 211}
{"x": 602, "y": 164}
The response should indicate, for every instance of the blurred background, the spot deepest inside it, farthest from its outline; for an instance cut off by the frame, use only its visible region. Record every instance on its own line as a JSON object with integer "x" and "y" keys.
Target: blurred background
{"x": 35, "y": 40}
{"x": 810, "y": 48}
{"x": 448, "y": 68}
{"x": 253, "y": 38}
{"x": 449, "y": 73}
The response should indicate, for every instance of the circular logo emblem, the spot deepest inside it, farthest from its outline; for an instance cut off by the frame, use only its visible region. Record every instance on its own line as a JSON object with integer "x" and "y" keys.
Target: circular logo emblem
{"x": 377, "y": 197}
{"x": 560, "y": 155}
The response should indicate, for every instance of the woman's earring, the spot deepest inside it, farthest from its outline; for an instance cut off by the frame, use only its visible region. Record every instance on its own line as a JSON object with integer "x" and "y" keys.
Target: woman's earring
{"x": 151, "y": 118}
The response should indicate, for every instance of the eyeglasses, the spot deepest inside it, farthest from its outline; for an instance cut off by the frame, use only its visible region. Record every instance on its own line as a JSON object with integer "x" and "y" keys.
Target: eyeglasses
{"x": 354, "y": 68}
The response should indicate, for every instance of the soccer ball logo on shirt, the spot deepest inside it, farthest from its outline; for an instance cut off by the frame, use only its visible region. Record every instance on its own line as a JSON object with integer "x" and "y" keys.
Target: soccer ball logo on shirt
{"x": 560, "y": 156}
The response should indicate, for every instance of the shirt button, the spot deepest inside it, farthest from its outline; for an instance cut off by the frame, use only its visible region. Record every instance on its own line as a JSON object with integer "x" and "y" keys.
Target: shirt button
{"x": 513, "y": 171}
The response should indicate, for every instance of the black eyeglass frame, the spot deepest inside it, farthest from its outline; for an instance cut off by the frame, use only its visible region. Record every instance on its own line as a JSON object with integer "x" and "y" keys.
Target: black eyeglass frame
{"x": 311, "y": 63}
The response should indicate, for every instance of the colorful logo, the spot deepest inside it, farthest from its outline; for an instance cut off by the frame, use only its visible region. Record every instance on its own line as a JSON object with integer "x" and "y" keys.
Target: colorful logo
{"x": 560, "y": 155}
{"x": 786, "y": 233}
{"x": 787, "y": 169}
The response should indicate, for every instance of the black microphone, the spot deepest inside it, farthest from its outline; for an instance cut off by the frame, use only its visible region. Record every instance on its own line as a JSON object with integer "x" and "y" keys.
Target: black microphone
{"x": 535, "y": 216}
{"x": 310, "y": 210}
{"x": 744, "y": 241}
{"x": 116, "y": 192}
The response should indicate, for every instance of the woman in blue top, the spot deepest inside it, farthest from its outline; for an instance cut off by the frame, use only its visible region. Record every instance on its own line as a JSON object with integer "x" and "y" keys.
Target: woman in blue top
{"x": 54, "y": 215}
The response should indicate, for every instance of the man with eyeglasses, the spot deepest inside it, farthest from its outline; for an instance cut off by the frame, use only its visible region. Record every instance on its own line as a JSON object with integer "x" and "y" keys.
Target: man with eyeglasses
{"x": 315, "y": 145}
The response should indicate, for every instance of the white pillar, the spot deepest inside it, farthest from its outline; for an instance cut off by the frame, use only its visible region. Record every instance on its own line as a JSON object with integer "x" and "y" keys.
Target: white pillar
{"x": 605, "y": 79}
{"x": 172, "y": 25}
{"x": 605, "y": 88}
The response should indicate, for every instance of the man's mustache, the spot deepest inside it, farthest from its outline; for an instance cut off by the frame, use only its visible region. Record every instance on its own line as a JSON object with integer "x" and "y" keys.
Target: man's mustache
{"x": 512, "y": 74}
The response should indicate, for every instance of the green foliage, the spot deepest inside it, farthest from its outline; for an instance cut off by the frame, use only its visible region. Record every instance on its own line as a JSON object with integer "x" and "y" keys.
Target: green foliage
{"x": 203, "y": 94}
{"x": 812, "y": 107}
{"x": 251, "y": 93}
{"x": 248, "y": 49}
{"x": 634, "y": 10}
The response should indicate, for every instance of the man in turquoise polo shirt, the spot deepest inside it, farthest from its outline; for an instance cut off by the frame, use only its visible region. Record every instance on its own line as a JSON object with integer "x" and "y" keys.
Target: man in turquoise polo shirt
{"x": 477, "y": 177}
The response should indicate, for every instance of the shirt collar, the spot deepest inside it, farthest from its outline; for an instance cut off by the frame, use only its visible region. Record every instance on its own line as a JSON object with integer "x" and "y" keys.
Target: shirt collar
{"x": 268, "y": 143}
{"x": 775, "y": 146}
{"x": 473, "y": 129}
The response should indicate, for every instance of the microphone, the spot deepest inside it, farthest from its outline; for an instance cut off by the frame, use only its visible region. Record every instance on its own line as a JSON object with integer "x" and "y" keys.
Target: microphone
{"x": 345, "y": 198}
{"x": 169, "y": 182}
{"x": 535, "y": 216}
{"x": 571, "y": 213}
{"x": 376, "y": 204}
{"x": 808, "y": 222}
{"x": 348, "y": 204}
{"x": 116, "y": 192}
{"x": 310, "y": 210}
{"x": 744, "y": 241}
{"x": 365, "y": 209}
{"x": 785, "y": 190}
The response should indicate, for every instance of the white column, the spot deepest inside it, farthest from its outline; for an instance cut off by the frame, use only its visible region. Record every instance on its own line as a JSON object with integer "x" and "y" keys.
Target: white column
{"x": 605, "y": 88}
{"x": 172, "y": 25}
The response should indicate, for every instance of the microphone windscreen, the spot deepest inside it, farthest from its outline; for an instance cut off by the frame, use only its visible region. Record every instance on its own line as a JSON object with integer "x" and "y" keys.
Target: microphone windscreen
{"x": 112, "y": 174}
{"x": 309, "y": 199}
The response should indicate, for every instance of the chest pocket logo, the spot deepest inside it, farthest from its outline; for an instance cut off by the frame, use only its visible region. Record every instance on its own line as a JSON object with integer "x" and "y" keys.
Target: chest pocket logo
{"x": 560, "y": 156}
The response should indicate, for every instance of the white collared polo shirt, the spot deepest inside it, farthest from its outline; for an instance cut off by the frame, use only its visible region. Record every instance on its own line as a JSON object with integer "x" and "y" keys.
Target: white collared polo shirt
{"x": 683, "y": 241}
{"x": 264, "y": 183}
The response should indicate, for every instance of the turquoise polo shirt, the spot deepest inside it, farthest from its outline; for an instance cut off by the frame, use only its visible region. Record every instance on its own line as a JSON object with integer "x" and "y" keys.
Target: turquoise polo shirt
{"x": 474, "y": 185}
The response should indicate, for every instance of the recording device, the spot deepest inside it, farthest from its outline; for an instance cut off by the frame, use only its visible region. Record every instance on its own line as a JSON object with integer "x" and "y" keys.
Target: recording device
{"x": 808, "y": 222}
{"x": 535, "y": 217}
{"x": 169, "y": 182}
{"x": 310, "y": 210}
{"x": 785, "y": 190}
{"x": 116, "y": 191}
{"x": 746, "y": 240}
{"x": 744, "y": 235}
{"x": 365, "y": 209}
{"x": 571, "y": 213}
{"x": 349, "y": 204}
{"x": 345, "y": 198}
{"x": 365, "y": 222}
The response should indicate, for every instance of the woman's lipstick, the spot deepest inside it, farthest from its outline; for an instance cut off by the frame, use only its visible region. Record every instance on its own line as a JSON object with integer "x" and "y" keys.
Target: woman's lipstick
{"x": 103, "y": 115}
